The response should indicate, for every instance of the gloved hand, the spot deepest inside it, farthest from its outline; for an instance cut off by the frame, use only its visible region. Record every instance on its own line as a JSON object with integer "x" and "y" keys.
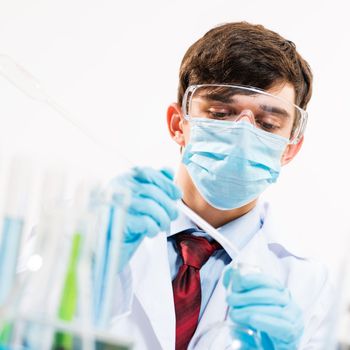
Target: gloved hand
{"x": 260, "y": 302}
{"x": 152, "y": 207}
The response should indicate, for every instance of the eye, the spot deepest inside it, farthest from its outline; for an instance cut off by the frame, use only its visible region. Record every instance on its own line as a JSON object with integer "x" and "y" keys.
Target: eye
{"x": 219, "y": 113}
{"x": 268, "y": 125}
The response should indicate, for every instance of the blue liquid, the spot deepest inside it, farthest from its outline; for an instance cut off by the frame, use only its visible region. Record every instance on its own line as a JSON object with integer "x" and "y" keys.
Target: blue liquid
{"x": 9, "y": 250}
{"x": 102, "y": 266}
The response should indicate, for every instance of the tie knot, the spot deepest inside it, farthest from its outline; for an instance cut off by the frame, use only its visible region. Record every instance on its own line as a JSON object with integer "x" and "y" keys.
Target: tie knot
{"x": 195, "y": 251}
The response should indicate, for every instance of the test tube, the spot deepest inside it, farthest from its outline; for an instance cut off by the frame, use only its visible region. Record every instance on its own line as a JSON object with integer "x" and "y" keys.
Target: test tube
{"x": 78, "y": 274}
{"x": 17, "y": 190}
{"x": 44, "y": 284}
{"x": 17, "y": 196}
{"x": 108, "y": 254}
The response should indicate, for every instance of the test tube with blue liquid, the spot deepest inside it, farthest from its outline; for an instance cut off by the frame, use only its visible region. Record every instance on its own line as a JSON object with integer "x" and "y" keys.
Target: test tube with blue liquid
{"x": 15, "y": 208}
{"x": 111, "y": 218}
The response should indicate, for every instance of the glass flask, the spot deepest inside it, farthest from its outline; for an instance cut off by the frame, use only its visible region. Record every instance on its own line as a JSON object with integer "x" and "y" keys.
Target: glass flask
{"x": 227, "y": 335}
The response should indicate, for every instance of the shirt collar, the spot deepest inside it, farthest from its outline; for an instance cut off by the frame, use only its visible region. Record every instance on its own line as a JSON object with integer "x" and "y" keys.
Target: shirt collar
{"x": 239, "y": 231}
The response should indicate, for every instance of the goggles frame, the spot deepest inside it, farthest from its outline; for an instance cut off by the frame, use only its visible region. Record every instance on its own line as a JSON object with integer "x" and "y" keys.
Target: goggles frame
{"x": 297, "y": 134}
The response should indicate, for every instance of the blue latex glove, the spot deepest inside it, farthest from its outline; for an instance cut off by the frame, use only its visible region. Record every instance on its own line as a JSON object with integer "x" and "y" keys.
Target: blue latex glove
{"x": 262, "y": 303}
{"x": 152, "y": 207}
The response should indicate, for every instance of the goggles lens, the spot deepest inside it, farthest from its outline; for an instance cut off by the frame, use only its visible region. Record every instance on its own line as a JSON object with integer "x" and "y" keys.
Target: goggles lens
{"x": 234, "y": 103}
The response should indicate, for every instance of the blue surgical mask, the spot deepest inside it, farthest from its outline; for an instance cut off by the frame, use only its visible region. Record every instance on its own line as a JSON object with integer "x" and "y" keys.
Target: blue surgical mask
{"x": 232, "y": 163}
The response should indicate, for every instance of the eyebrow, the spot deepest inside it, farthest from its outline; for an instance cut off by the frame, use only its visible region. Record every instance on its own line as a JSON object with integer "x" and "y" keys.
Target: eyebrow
{"x": 217, "y": 97}
{"x": 275, "y": 110}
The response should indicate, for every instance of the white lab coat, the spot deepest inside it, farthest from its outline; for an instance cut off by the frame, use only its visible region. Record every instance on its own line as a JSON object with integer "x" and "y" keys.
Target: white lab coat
{"x": 148, "y": 313}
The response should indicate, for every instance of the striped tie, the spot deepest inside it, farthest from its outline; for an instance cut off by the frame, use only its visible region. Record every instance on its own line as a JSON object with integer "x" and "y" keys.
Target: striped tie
{"x": 195, "y": 251}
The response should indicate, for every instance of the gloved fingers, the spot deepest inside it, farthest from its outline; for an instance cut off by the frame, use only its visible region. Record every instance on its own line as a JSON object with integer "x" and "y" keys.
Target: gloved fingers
{"x": 280, "y": 344}
{"x": 149, "y": 207}
{"x": 266, "y": 341}
{"x": 243, "y": 314}
{"x": 153, "y": 192}
{"x": 137, "y": 226}
{"x": 168, "y": 172}
{"x": 289, "y": 314}
{"x": 260, "y": 296}
{"x": 149, "y": 175}
{"x": 250, "y": 281}
{"x": 276, "y": 328}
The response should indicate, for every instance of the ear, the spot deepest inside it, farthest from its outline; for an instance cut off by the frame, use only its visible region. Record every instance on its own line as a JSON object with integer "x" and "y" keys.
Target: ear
{"x": 291, "y": 151}
{"x": 175, "y": 124}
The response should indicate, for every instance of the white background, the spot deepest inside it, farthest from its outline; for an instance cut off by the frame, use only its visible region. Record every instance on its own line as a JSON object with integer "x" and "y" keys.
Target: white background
{"x": 114, "y": 65}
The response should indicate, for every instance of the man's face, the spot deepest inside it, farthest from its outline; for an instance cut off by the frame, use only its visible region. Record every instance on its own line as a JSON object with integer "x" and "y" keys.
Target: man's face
{"x": 242, "y": 108}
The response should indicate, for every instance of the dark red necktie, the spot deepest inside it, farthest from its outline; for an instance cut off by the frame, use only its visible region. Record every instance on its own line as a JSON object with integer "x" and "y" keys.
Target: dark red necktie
{"x": 195, "y": 251}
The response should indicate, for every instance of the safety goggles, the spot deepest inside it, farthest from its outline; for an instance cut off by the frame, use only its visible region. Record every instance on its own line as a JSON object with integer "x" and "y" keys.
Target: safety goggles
{"x": 268, "y": 112}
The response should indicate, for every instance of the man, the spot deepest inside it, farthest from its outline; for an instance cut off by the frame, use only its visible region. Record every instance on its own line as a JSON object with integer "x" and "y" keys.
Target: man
{"x": 240, "y": 116}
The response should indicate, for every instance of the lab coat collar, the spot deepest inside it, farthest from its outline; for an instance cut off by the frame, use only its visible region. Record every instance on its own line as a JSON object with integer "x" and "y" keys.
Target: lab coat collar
{"x": 180, "y": 224}
{"x": 239, "y": 231}
{"x": 276, "y": 238}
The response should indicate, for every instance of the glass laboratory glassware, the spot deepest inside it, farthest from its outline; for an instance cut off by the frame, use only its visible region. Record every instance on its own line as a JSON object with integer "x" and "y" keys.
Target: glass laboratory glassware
{"x": 227, "y": 335}
{"x": 52, "y": 306}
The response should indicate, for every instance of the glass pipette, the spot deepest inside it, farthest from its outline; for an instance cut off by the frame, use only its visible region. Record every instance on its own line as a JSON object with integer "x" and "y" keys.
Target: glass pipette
{"x": 30, "y": 86}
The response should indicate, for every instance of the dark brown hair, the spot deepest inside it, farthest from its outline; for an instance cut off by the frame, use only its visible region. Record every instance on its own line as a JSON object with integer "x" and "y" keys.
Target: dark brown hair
{"x": 245, "y": 54}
